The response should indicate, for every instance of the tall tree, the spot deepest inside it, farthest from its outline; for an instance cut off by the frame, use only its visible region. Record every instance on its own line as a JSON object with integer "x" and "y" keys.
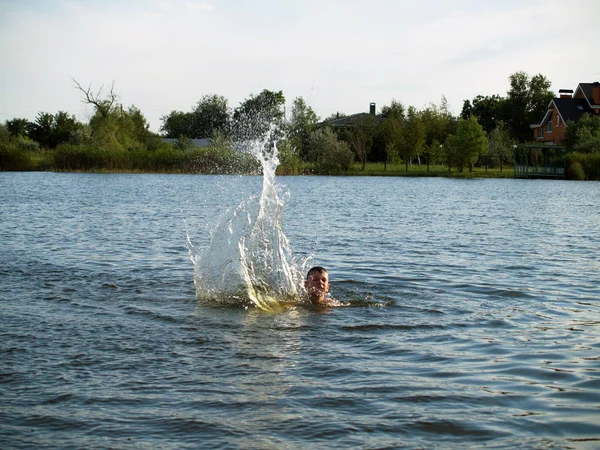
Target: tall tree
{"x": 301, "y": 124}
{"x": 18, "y": 127}
{"x": 359, "y": 135}
{"x": 390, "y": 130}
{"x": 584, "y": 136}
{"x": 210, "y": 116}
{"x": 50, "y": 130}
{"x": 256, "y": 115}
{"x": 526, "y": 102}
{"x": 176, "y": 124}
{"x": 486, "y": 109}
{"x": 414, "y": 136}
{"x": 327, "y": 152}
{"x": 465, "y": 147}
{"x": 438, "y": 122}
{"x": 141, "y": 127}
{"x": 103, "y": 103}
{"x": 500, "y": 145}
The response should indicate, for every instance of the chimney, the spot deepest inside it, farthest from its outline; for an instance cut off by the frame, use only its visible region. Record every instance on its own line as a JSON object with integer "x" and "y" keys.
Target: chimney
{"x": 596, "y": 93}
{"x": 565, "y": 93}
{"x": 372, "y": 109}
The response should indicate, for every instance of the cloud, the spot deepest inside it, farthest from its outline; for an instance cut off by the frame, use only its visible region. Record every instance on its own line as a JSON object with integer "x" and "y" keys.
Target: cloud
{"x": 199, "y": 6}
{"x": 339, "y": 55}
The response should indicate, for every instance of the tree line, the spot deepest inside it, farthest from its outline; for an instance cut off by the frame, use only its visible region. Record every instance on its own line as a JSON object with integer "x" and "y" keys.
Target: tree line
{"x": 118, "y": 138}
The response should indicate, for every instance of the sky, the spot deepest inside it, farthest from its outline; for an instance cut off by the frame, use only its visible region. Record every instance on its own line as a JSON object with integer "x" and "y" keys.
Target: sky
{"x": 339, "y": 55}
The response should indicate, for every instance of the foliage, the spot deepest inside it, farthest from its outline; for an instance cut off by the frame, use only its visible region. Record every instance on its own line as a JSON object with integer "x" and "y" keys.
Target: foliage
{"x": 466, "y": 146}
{"x": 184, "y": 143}
{"x": 50, "y": 130}
{"x": 18, "y": 127}
{"x": 501, "y": 147}
{"x": 486, "y": 109}
{"x": 289, "y": 159}
{"x": 257, "y": 115}
{"x": 210, "y": 116}
{"x": 302, "y": 122}
{"x": 584, "y": 136}
{"x": 575, "y": 171}
{"x": 438, "y": 121}
{"x": 583, "y": 166}
{"x": 120, "y": 129}
{"x": 329, "y": 153}
{"x": 16, "y": 152}
{"x": 414, "y": 135}
{"x": 359, "y": 136}
{"x": 526, "y": 102}
{"x": 176, "y": 124}
{"x": 119, "y": 139}
{"x": 389, "y": 135}
{"x": 167, "y": 158}
{"x": 433, "y": 153}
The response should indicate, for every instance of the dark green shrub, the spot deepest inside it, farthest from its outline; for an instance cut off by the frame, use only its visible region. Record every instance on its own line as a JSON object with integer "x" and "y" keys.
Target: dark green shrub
{"x": 575, "y": 171}
{"x": 14, "y": 159}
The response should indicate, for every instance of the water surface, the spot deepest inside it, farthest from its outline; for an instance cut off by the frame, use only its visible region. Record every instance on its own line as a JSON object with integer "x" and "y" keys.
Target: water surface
{"x": 474, "y": 318}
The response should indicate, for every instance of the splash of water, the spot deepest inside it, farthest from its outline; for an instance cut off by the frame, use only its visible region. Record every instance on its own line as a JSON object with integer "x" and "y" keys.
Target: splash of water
{"x": 249, "y": 260}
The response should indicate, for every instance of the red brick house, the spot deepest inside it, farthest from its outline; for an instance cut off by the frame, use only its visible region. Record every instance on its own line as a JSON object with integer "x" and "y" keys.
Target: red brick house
{"x": 551, "y": 129}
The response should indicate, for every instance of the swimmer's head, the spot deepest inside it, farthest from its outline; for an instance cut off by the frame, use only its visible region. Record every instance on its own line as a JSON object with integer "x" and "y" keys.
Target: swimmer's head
{"x": 317, "y": 284}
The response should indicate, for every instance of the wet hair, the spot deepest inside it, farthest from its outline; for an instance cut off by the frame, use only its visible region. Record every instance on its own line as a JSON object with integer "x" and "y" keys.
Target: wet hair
{"x": 317, "y": 269}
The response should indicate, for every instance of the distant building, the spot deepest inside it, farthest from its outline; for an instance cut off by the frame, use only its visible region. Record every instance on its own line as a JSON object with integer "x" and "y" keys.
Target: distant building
{"x": 356, "y": 120}
{"x": 196, "y": 142}
{"x": 568, "y": 107}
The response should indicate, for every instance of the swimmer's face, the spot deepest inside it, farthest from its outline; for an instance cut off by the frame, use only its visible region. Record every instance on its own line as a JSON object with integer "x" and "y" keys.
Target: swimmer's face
{"x": 317, "y": 283}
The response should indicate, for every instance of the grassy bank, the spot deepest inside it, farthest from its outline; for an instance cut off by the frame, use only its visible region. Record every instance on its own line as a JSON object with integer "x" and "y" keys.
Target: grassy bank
{"x": 399, "y": 170}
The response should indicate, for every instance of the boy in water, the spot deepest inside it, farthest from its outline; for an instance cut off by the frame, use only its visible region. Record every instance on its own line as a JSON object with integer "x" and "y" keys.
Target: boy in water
{"x": 317, "y": 285}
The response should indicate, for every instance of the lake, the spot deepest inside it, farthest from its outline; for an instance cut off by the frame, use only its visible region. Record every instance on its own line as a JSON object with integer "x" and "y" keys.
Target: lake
{"x": 472, "y": 316}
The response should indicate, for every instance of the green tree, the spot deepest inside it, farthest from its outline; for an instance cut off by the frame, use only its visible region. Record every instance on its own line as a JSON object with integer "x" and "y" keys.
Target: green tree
{"x": 113, "y": 128}
{"x": 413, "y": 136}
{"x": 584, "y": 136}
{"x": 501, "y": 147}
{"x": 433, "y": 153}
{"x": 5, "y": 135}
{"x": 329, "y": 154}
{"x": 359, "y": 136}
{"x": 301, "y": 124}
{"x": 289, "y": 158}
{"x": 51, "y": 130}
{"x": 104, "y": 104}
{"x": 18, "y": 127}
{"x": 390, "y": 131}
{"x": 439, "y": 123}
{"x": 486, "y": 109}
{"x": 526, "y": 102}
{"x": 256, "y": 116}
{"x": 210, "y": 116}
{"x": 466, "y": 146}
{"x": 175, "y": 124}
{"x": 14, "y": 150}
{"x": 141, "y": 127}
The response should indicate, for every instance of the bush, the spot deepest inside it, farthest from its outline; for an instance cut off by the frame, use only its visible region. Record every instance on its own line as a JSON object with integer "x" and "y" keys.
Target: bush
{"x": 329, "y": 154}
{"x": 575, "y": 171}
{"x": 336, "y": 158}
{"x": 583, "y": 166}
{"x": 14, "y": 159}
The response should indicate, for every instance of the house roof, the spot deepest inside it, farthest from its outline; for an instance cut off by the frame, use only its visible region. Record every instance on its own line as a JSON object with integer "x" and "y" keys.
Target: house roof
{"x": 571, "y": 108}
{"x": 567, "y": 108}
{"x": 355, "y": 120}
{"x": 586, "y": 88}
